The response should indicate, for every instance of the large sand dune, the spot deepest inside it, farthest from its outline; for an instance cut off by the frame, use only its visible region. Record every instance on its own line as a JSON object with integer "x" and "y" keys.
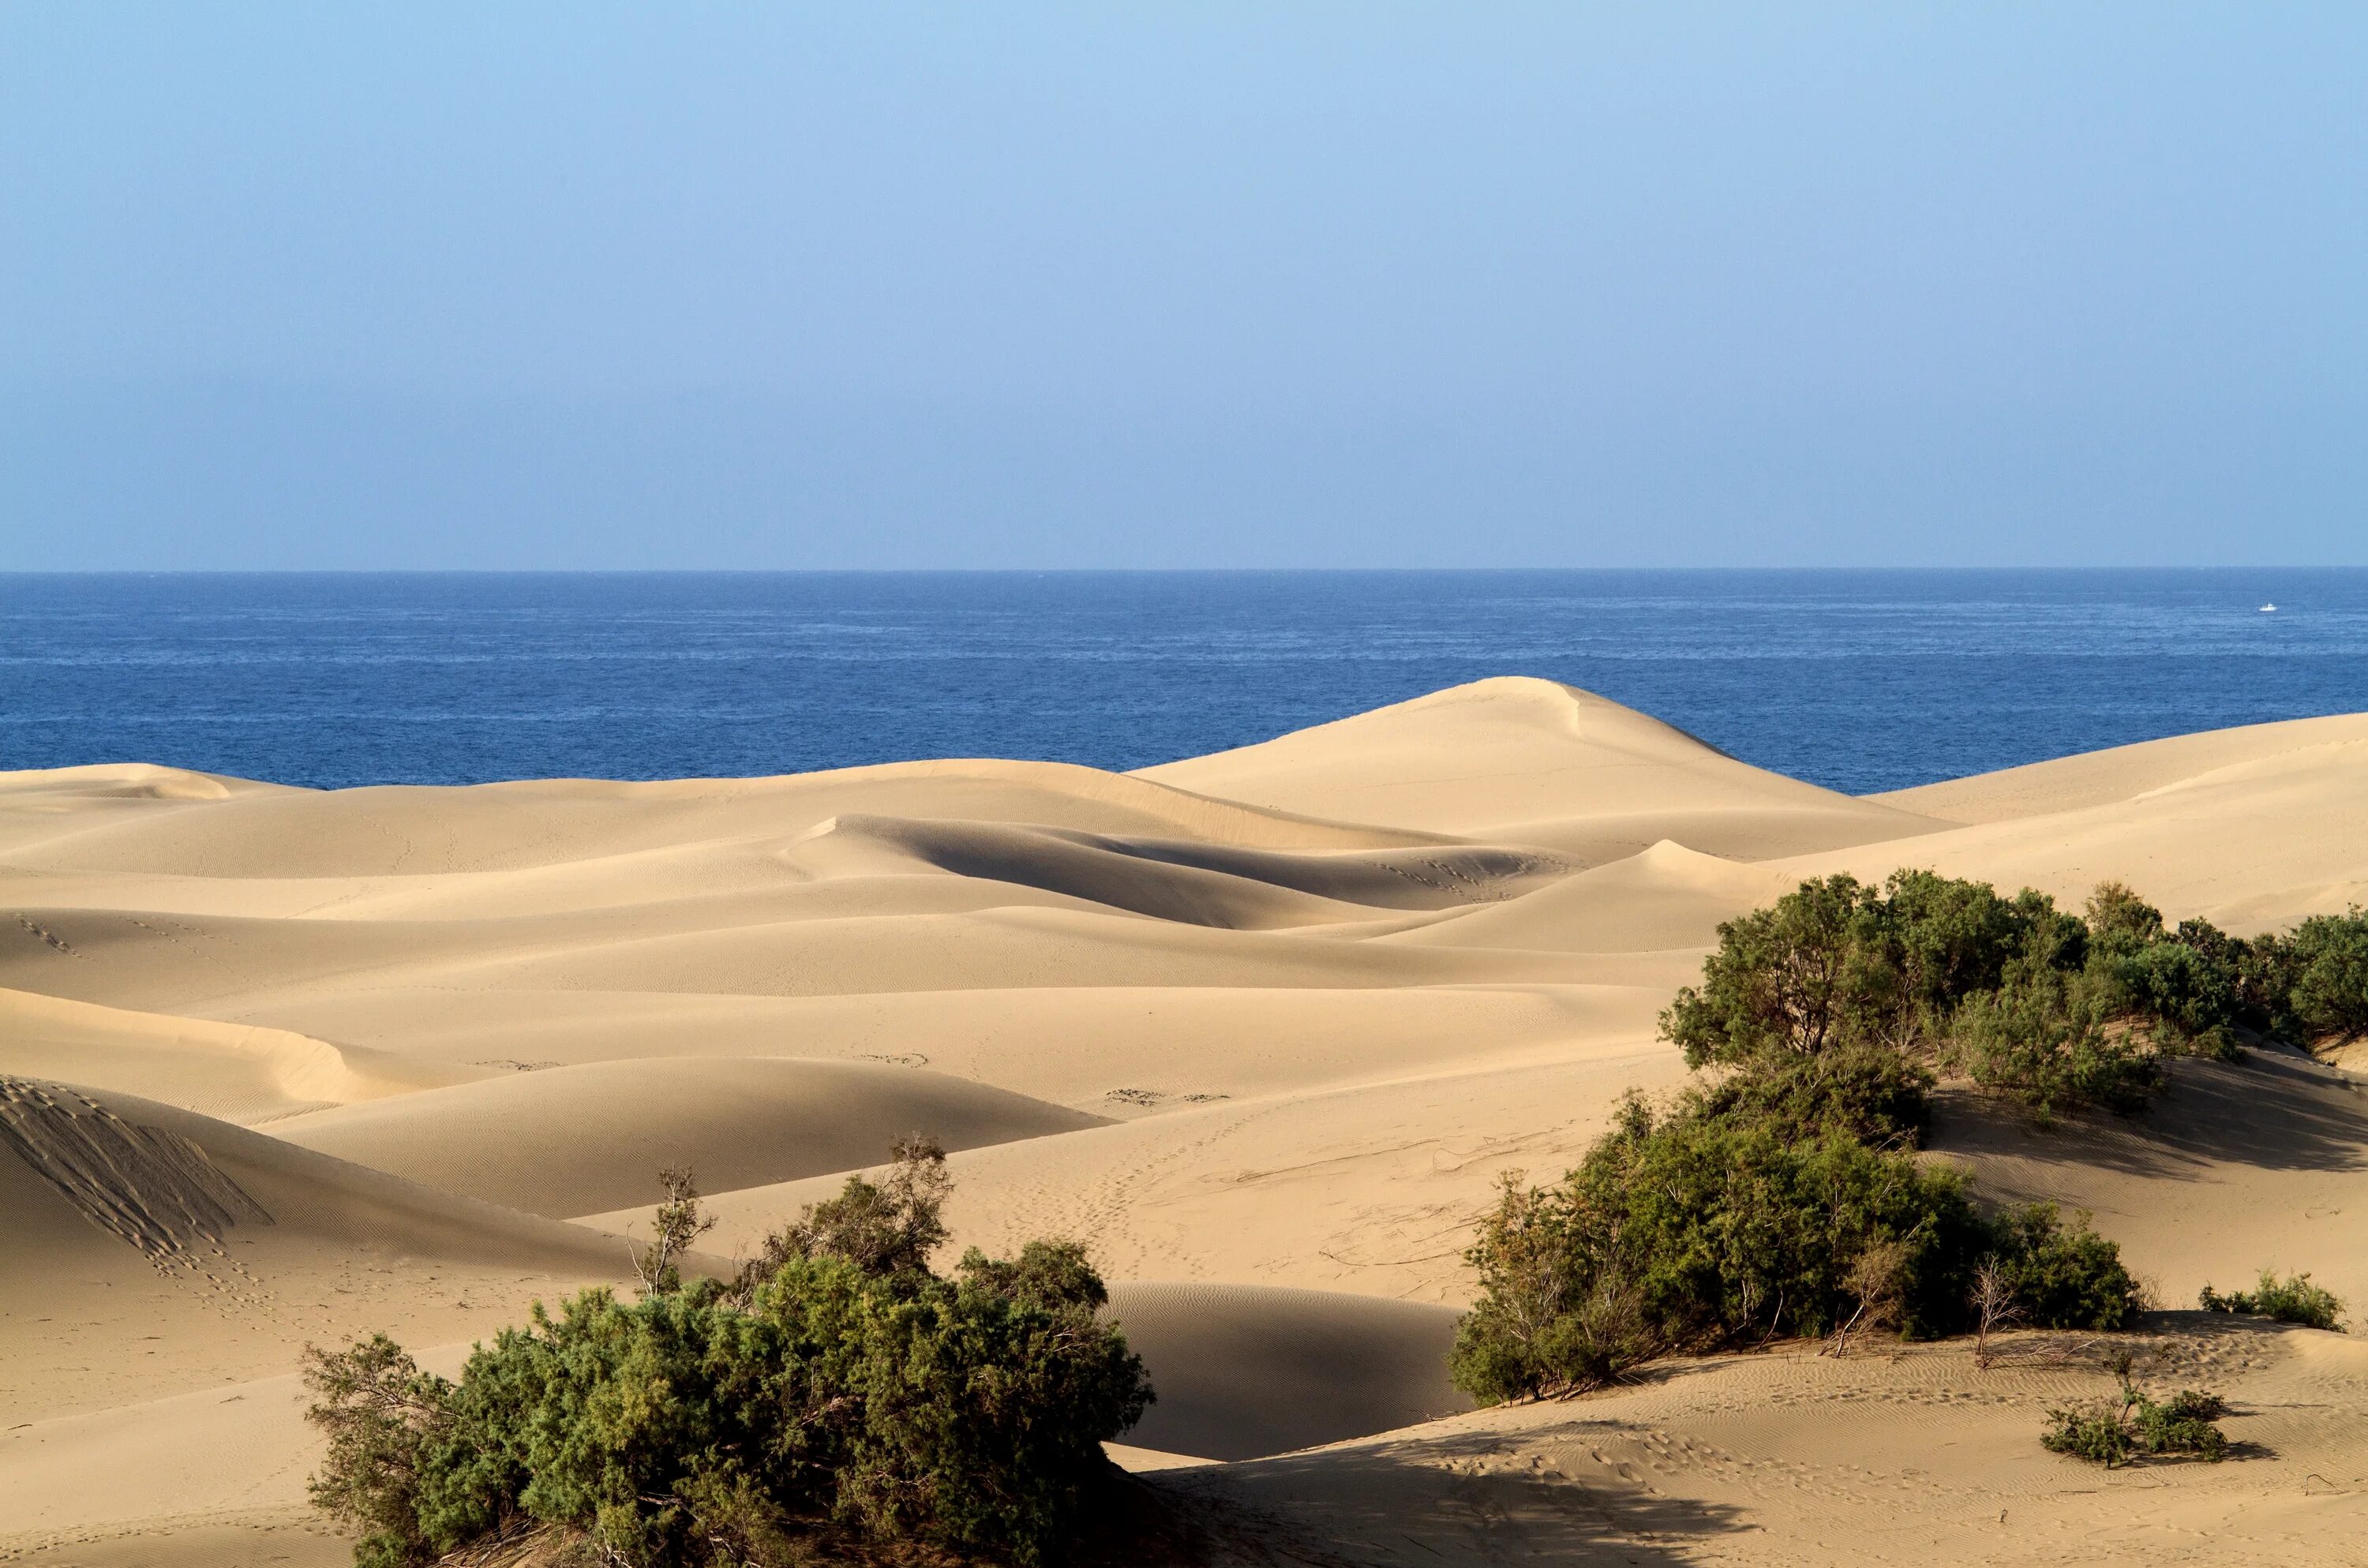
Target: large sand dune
{"x": 1262, "y": 1028}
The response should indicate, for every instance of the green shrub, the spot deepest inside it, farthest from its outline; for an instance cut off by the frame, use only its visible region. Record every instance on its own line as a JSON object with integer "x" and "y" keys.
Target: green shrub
{"x": 2046, "y": 1037}
{"x": 2328, "y": 996}
{"x": 1815, "y": 970}
{"x": 382, "y": 1416}
{"x": 886, "y": 1228}
{"x": 1870, "y": 1093}
{"x": 1722, "y": 1231}
{"x": 2120, "y": 919}
{"x": 705, "y": 1426}
{"x": 2060, "y": 1276}
{"x": 2113, "y": 1433}
{"x": 2032, "y": 1001}
{"x": 1736, "y": 1218}
{"x": 2291, "y": 1299}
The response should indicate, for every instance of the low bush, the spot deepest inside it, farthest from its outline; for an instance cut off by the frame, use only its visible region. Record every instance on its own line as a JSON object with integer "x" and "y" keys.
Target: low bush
{"x": 1716, "y": 1225}
{"x": 2033, "y": 1003}
{"x": 2323, "y": 967}
{"x": 2046, "y": 1039}
{"x": 2114, "y": 1432}
{"x": 1871, "y": 1094}
{"x": 841, "y": 1398}
{"x": 2059, "y": 1275}
{"x": 1837, "y": 963}
{"x": 2291, "y": 1299}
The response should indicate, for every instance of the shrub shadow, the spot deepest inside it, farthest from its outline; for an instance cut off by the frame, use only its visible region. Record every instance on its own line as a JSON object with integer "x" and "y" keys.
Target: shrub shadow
{"x": 1431, "y": 1500}
{"x": 2269, "y": 1109}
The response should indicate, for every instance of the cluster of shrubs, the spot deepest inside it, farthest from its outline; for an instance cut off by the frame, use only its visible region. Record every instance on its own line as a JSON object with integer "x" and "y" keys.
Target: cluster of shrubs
{"x": 2114, "y": 1432}
{"x": 2027, "y": 1000}
{"x": 837, "y": 1395}
{"x": 1783, "y": 1197}
{"x": 1785, "y": 1201}
{"x": 2291, "y": 1299}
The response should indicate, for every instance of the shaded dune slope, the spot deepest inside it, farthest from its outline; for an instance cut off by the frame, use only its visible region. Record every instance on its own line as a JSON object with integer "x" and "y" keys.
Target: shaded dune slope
{"x": 151, "y": 1248}
{"x": 573, "y": 1139}
{"x": 1246, "y": 1369}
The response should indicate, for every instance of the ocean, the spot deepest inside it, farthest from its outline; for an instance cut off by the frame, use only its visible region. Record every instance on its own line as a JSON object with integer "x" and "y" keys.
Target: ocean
{"x": 1859, "y": 680}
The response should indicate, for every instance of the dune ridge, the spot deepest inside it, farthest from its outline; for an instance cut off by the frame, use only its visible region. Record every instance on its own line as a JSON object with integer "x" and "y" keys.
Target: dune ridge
{"x": 1262, "y": 1028}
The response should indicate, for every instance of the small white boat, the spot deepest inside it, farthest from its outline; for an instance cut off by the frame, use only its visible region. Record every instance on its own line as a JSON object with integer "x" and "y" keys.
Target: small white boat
{"x": 2269, "y": 610}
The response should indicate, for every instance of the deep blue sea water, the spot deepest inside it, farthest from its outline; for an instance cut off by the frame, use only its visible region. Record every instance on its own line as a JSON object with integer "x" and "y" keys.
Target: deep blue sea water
{"x": 1859, "y": 680}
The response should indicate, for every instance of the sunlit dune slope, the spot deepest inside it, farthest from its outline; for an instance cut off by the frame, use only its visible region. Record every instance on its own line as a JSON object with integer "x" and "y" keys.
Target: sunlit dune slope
{"x": 2251, "y": 828}
{"x": 2120, "y": 773}
{"x": 235, "y": 1072}
{"x": 1520, "y": 761}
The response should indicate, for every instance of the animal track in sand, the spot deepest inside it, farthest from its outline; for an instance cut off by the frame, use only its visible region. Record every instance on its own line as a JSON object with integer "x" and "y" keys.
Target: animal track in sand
{"x": 46, "y": 935}
{"x": 1148, "y": 1098}
{"x": 152, "y": 1188}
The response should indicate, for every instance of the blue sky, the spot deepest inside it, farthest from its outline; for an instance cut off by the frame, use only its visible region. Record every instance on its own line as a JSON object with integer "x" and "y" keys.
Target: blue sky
{"x": 772, "y": 286}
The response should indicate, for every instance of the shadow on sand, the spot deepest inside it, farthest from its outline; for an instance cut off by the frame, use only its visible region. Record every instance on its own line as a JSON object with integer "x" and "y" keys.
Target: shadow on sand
{"x": 2270, "y": 1110}
{"x": 1437, "y": 1501}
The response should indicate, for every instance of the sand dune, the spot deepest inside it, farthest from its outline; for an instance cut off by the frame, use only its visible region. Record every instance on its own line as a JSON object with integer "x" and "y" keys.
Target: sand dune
{"x": 1261, "y": 1029}
{"x": 236, "y": 1071}
{"x": 2270, "y": 827}
{"x": 1245, "y": 1369}
{"x": 2238, "y": 1168}
{"x": 2119, "y": 773}
{"x": 576, "y": 1139}
{"x": 1777, "y": 1459}
{"x": 152, "y": 1250}
{"x": 1666, "y": 897}
{"x": 1522, "y": 761}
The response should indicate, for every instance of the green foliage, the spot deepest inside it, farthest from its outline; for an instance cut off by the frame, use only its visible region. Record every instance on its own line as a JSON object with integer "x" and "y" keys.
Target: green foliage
{"x": 2121, "y": 920}
{"x": 2046, "y": 1037}
{"x": 1871, "y": 1093}
{"x": 2114, "y": 1432}
{"x": 858, "y": 1397}
{"x": 2327, "y": 996}
{"x": 886, "y": 1228}
{"x": 2291, "y": 1299}
{"x": 2030, "y": 1001}
{"x": 2058, "y": 1011}
{"x": 1743, "y": 1216}
{"x": 1808, "y": 972}
{"x": 382, "y": 1417}
{"x": 1721, "y": 1230}
{"x": 2060, "y": 1276}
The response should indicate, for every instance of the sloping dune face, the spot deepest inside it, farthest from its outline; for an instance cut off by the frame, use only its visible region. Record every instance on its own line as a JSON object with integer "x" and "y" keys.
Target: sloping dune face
{"x": 1262, "y": 1030}
{"x": 574, "y": 1139}
{"x": 1534, "y": 761}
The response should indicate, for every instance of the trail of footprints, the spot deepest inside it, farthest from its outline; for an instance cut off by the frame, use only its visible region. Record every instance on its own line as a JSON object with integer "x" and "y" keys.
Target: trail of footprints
{"x": 151, "y": 1188}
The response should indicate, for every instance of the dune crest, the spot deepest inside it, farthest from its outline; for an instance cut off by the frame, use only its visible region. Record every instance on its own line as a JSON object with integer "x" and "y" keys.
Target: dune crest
{"x": 237, "y": 1071}
{"x": 1519, "y": 760}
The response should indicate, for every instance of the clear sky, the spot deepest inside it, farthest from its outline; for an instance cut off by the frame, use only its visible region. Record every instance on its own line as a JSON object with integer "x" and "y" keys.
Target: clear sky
{"x": 511, "y": 285}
